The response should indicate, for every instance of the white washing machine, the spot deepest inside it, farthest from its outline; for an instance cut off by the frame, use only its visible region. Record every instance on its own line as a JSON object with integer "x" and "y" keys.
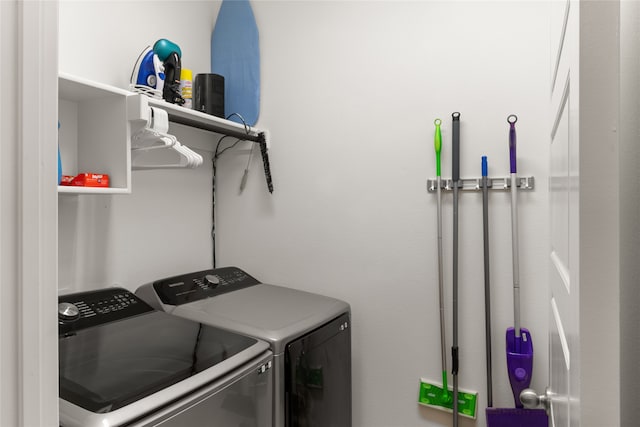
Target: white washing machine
{"x": 309, "y": 334}
{"x": 122, "y": 363}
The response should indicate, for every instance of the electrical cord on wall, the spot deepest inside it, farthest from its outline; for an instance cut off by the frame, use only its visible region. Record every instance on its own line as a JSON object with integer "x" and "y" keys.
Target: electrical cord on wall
{"x": 245, "y": 175}
{"x": 216, "y": 154}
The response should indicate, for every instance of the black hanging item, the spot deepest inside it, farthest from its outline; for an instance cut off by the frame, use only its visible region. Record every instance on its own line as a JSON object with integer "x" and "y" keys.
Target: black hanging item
{"x": 170, "y": 53}
{"x": 265, "y": 162}
{"x": 172, "y": 70}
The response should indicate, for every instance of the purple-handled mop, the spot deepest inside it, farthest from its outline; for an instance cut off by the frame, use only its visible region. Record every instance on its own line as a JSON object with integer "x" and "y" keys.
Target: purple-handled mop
{"x": 518, "y": 339}
{"x": 519, "y": 344}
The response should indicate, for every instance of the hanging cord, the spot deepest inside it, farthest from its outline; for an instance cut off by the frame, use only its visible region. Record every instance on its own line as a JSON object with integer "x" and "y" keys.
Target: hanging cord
{"x": 216, "y": 154}
{"x": 245, "y": 175}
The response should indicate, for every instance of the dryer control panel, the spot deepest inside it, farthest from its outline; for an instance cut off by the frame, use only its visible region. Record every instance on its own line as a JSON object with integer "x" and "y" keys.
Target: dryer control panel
{"x": 196, "y": 286}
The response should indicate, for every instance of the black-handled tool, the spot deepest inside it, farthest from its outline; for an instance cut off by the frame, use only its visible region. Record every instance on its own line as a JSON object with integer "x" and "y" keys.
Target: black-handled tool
{"x": 265, "y": 162}
{"x": 487, "y": 286}
{"x": 455, "y": 135}
{"x": 455, "y": 146}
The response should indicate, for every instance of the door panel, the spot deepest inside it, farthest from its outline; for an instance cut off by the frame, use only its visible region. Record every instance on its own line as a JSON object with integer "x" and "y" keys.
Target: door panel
{"x": 584, "y": 341}
{"x": 559, "y": 413}
{"x": 559, "y": 14}
{"x": 563, "y": 296}
{"x": 559, "y": 190}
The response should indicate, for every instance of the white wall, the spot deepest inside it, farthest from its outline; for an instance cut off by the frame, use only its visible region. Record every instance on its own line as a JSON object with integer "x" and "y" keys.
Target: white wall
{"x": 629, "y": 208}
{"x": 349, "y": 92}
{"x": 9, "y": 217}
{"x": 163, "y": 229}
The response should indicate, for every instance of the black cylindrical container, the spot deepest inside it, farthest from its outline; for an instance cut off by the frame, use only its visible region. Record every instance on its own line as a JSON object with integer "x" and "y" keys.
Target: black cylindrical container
{"x": 208, "y": 94}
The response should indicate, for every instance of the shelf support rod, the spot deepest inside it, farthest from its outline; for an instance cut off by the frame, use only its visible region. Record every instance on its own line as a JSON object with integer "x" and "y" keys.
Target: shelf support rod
{"x": 253, "y": 137}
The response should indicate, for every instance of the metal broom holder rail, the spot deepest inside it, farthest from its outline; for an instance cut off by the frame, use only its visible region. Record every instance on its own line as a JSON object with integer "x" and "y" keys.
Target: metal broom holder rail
{"x": 475, "y": 184}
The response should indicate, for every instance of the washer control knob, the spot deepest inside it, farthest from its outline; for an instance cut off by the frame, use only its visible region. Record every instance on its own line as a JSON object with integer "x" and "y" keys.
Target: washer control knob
{"x": 68, "y": 312}
{"x": 212, "y": 280}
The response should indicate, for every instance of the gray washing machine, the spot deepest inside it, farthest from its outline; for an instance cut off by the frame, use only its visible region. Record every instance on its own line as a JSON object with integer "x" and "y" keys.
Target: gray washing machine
{"x": 122, "y": 363}
{"x": 309, "y": 334}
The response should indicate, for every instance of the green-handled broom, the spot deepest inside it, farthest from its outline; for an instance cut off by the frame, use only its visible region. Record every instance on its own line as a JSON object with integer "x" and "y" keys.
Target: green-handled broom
{"x": 440, "y": 396}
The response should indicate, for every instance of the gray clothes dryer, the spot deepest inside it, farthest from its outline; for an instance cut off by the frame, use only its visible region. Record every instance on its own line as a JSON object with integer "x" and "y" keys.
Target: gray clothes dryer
{"x": 309, "y": 334}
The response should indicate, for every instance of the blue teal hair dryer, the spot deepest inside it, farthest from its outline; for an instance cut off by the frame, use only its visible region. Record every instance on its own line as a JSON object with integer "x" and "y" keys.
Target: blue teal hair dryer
{"x": 169, "y": 53}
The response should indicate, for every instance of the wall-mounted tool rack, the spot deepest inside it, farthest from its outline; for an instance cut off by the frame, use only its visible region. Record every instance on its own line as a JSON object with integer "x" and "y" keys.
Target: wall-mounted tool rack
{"x": 475, "y": 184}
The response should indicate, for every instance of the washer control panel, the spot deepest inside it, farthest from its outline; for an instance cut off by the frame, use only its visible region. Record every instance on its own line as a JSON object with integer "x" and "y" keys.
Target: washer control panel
{"x": 199, "y": 285}
{"x": 87, "y": 309}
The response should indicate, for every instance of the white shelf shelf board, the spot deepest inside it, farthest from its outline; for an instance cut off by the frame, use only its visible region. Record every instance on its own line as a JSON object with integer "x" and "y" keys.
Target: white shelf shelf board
{"x": 65, "y": 189}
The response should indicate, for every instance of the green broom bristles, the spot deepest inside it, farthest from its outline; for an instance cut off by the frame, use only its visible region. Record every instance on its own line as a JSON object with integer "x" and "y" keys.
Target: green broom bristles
{"x": 439, "y": 397}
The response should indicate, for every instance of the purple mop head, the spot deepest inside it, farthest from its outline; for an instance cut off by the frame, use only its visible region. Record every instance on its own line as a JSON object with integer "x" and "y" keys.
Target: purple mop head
{"x": 519, "y": 362}
{"x": 516, "y": 417}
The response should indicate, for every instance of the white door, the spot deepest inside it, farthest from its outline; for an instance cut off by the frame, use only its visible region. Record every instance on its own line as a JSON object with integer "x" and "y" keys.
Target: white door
{"x": 564, "y": 214}
{"x": 28, "y": 213}
{"x": 584, "y": 285}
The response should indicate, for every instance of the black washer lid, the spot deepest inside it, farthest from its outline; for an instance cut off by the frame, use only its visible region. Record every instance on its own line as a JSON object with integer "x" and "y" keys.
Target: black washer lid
{"x": 107, "y": 366}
